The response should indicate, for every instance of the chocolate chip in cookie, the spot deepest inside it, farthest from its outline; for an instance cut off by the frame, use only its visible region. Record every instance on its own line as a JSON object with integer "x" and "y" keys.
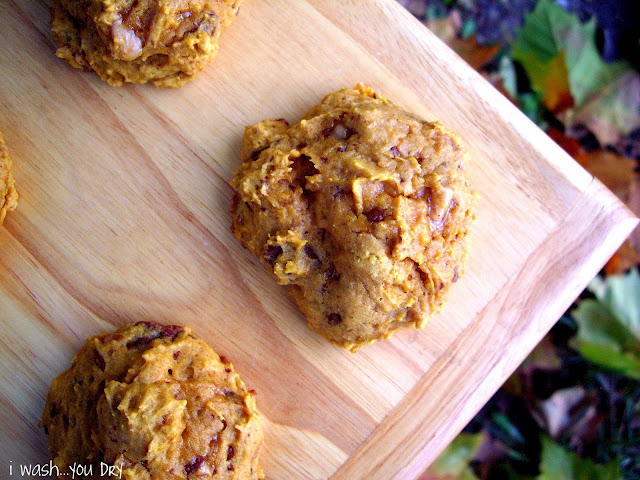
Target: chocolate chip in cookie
{"x": 362, "y": 208}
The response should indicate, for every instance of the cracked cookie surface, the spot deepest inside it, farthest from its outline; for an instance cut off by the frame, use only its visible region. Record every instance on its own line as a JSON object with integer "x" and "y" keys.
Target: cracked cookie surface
{"x": 8, "y": 193}
{"x": 157, "y": 403}
{"x": 362, "y": 209}
{"x": 166, "y": 42}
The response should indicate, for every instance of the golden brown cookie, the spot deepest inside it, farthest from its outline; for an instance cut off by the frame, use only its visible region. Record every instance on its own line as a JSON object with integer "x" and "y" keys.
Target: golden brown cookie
{"x": 166, "y": 42}
{"x": 8, "y": 194}
{"x": 361, "y": 208}
{"x": 155, "y": 402}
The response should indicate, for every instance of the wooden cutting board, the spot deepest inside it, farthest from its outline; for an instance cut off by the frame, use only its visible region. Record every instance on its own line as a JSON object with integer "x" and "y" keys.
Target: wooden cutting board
{"x": 123, "y": 216}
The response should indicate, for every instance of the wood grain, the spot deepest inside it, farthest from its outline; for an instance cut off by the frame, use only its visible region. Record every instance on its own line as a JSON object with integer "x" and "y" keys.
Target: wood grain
{"x": 123, "y": 217}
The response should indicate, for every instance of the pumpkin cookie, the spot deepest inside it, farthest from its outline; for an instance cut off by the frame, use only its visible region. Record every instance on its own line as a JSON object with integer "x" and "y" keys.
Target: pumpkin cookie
{"x": 8, "y": 194}
{"x": 166, "y": 42}
{"x": 361, "y": 208}
{"x": 155, "y": 402}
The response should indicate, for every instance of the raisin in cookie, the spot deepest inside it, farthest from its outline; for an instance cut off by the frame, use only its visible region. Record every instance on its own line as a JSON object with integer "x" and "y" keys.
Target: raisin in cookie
{"x": 361, "y": 208}
{"x": 157, "y": 403}
{"x": 166, "y": 42}
{"x": 8, "y": 194}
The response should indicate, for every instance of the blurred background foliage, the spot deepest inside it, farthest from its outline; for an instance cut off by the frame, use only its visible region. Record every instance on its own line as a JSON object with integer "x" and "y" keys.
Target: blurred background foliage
{"x": 571, "y": 411}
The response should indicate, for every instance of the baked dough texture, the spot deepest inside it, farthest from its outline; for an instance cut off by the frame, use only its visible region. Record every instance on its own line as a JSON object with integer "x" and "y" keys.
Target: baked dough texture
{"x": 8, "y": 194}
{"x": 361, "y": 208}
{"x": 156, "y": 402}
{"x": 166, "y": 42}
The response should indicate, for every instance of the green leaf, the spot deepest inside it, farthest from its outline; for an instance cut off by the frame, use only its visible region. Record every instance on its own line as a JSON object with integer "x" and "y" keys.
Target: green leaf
{"x": 454, "y": 460}
{"x": 621, "y": 293}
{"x": 550, "y": 31}
{"x": 468, "y": 28}
{"x": 557, "y": 463}
{"x": 620, "y": 362}
{"x": 599, "y": 325}
{"x": 536, "y": 37}
{"x": 609, "y": 325}
{"x": 588, "y": 73}
{"x": 550, "y": 80}
{"x": 613, "y": 113}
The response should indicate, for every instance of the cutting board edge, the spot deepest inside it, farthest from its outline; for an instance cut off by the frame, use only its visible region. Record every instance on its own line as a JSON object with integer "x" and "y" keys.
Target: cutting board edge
{"x": 550, "y": 159}
{"x": 375, "y": 460}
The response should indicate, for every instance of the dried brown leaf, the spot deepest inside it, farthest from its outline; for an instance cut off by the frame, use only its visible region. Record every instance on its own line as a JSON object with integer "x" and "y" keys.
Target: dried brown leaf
{"x": 619, "y": 175}
{"x": 615, "y": 171}
{"x": 448, "y": 28}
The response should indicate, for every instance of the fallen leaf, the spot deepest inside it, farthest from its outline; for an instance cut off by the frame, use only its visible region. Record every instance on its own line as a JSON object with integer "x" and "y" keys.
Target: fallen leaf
{"x": 453, "y": 462}
{"x": 609, "y": 324}
{"x": 543, "y": 356}
{"x": 588, "y": 73}
{"x": 448, "y": 29}
{"x": 477, "y": 56}
{"x": 612, "y": 113}
{"x": 557, "y": 463}
{"x": 570, "y": 145}
{"x": 619, "y": 174}
{"x": 549, "y": 79}
{"x": 536, "y": 38}
{"x": 550, "y": 31}
{"x": 560, "y": 411}
{"x": 584, "y": 426}
{"x": 615, "y": 171}
{"x": 621, "y": 294}
{"x": 555, "y": 85}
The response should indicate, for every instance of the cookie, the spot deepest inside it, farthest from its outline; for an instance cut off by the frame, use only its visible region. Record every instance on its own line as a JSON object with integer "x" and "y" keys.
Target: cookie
{"x": 167, "y": 42}
{"x": 8, "y": 194}
{"x": 154, "y": 402}
{"x": 362, "y": 209}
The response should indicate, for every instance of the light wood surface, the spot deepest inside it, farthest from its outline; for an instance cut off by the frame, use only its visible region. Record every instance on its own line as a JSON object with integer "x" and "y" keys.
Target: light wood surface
{"x": 123, "y": 216}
